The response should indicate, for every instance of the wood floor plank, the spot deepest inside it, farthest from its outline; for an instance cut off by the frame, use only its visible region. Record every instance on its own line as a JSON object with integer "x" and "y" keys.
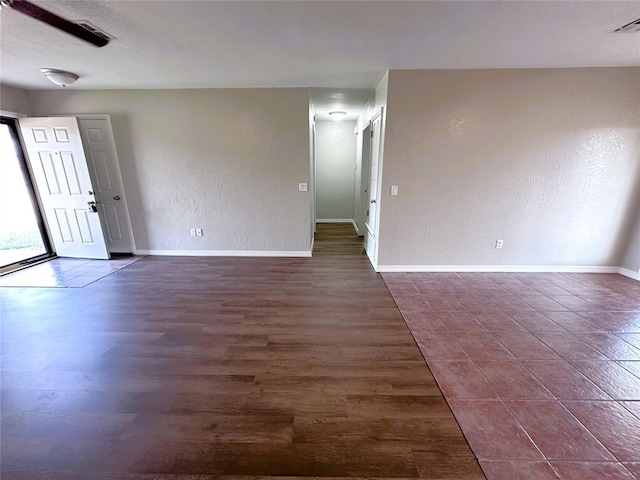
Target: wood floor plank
{"x": 337, "y": 239}
{"x": 237, "y": 368}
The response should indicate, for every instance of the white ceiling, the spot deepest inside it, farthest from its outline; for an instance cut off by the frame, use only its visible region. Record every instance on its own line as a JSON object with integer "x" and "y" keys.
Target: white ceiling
{"x": 345, "y": 44}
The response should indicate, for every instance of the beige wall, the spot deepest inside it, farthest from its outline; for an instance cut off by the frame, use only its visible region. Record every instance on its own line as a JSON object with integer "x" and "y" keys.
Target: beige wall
{"x": 547, "y": 160}
{"x": 13, "y": 101}
{"x": 336, "y": 151}
{"x": 228, "y": 161}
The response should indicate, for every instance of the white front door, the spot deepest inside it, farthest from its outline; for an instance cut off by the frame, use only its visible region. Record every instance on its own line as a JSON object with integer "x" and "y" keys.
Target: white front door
{"x": 372, "y": 214}
{"x": 102, "y": 160}
{"x": 57, "y": 161}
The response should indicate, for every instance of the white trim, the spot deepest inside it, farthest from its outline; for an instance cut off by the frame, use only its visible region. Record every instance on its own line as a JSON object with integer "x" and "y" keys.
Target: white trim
{"x": 334, "y": 220}
{"x": 370, "y": 230}
{"x": 313, "y": 241}
{"x": 225, "y": 253}
{"x": 376, "y": 233}
{"x": 374, "y": 265}
{"x": 629, "y": 273}
{"x": 498, "y": 268}
{"x": 355, "y": 227}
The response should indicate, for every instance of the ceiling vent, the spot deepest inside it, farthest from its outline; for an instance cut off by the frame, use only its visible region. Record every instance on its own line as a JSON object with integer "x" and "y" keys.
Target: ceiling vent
{"x": 631, "y": 27}
{"x": 93, "y": 29}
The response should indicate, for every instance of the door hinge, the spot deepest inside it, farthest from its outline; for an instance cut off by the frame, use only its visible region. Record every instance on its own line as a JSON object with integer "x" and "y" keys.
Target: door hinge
{"x": 371, "y": 133}
{"x": 367, "y": 213}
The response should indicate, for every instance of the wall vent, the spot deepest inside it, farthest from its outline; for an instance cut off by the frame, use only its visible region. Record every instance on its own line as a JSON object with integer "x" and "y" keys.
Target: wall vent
{"x": 631, "y": 27}
{"x": 101, "y": 33}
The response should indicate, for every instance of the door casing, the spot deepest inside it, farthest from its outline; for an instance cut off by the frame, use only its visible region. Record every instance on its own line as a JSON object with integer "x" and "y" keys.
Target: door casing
{"x": 372, "y": 222}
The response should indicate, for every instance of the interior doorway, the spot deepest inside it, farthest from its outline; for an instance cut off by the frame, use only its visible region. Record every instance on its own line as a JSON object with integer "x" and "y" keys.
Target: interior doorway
{"x": 23, "y": 237}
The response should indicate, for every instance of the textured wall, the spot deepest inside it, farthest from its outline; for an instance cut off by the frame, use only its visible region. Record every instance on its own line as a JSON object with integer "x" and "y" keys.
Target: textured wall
{"x": 14, "y": 101}
{"x": 631, "y": 259}
{"x": 336, "y": 151}
{"x": 227, "y": 160}
{"x": 547, "y": 160}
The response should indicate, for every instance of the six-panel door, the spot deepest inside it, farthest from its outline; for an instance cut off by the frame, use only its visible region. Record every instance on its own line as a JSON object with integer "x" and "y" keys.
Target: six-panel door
{"x": 57, "y": 161}
{"x": 102, "y": 160}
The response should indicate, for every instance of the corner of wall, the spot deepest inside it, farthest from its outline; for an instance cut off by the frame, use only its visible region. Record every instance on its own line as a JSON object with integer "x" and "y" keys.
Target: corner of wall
{"x": 14, "y": 102}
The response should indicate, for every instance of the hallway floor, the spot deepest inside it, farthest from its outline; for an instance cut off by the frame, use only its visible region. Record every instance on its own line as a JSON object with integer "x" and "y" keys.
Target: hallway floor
{"x": 337, "y": 239}
{"x": 542, "y": 371}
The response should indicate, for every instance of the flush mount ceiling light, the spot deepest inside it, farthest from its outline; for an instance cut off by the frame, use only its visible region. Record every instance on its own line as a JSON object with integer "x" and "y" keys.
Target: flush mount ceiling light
{"x": 59, "y": 77}
{"x": 337, "y": 115}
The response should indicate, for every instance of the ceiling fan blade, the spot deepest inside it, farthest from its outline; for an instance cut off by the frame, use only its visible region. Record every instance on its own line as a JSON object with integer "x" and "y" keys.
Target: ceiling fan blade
{"x": 34, "y": 11}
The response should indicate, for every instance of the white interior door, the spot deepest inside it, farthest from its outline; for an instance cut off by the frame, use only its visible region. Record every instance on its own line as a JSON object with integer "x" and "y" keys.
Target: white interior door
{"x": 57, "y": 161}
{"x": 102, "y": 160}
{"x": 313, "y": 178}
{"x": 372, "y": 212}
{"x": 363, "y": 193}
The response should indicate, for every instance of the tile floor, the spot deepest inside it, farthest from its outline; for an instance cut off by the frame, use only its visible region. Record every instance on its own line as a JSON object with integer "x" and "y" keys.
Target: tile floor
{"x": 65, "y": 272}
{"x": 542, "y": 371}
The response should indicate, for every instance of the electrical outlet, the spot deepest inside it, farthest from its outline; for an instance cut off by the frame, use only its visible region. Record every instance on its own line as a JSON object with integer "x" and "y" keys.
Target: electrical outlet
{"x": 302, "y": 187}
{"x": 198, "y": 232}
{"x": 193, "y": 232}
{"x": 499, "y": 244}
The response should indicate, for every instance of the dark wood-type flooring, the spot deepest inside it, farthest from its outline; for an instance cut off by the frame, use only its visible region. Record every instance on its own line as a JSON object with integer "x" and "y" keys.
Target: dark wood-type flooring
{"x": 193, "y": 368}
{"x": 337, "y": 239}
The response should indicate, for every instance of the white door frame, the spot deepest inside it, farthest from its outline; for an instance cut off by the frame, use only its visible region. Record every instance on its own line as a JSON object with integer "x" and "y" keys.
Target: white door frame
{"x": 125, "y": 205}
{"x": 363, "y": 194}
{"x": 376, "y": 228}
{"x": 313, "y": 178}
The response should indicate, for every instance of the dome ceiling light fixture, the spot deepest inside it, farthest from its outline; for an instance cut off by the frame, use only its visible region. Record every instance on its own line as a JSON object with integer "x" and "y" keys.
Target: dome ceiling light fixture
{"x": 59, "y": 77}
{"x": 337, "y": 115}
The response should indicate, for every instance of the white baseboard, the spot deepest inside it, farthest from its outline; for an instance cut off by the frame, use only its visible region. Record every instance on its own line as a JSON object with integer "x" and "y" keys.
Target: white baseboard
{"x": 498, "y": 268}
{"x": 401, "y": 268}
{"x": 334, "y": 220}
{"x": 629, "y": 273}
{"x": 225, "y": 253}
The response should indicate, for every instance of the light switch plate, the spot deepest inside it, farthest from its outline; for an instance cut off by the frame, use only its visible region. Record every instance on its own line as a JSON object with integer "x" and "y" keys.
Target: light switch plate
{"x": 302, "y": 187}
{"x": 394, "y": 189}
